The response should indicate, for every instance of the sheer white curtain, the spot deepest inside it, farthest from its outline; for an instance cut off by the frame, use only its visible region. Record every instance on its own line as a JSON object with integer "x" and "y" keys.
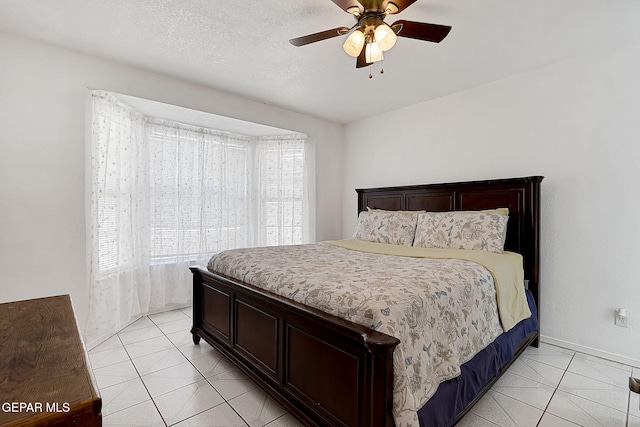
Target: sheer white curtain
{"x": 282, "y": 170}
{"x": 119, "y": 217}
{"x": 199, "y": 198}
{"x": 165, "y": 196}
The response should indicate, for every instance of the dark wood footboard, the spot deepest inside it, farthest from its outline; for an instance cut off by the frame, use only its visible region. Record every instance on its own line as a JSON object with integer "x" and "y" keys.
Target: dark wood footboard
{"x": 325, "y": 370}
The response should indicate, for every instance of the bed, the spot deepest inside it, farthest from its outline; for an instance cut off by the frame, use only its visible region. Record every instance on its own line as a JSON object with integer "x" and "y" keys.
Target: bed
{"x": 330, "y": 371}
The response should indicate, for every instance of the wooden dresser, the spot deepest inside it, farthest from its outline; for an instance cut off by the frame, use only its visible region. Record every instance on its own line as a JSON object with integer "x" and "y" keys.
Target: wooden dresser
{"x": 45, "y": 377}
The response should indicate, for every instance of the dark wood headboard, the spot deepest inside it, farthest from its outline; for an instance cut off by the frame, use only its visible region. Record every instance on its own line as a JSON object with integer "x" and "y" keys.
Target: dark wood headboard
{"x": 520, "y": 195}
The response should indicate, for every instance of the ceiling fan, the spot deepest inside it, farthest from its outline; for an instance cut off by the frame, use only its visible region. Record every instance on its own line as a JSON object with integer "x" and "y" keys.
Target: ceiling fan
{"x": 371, "y": 35}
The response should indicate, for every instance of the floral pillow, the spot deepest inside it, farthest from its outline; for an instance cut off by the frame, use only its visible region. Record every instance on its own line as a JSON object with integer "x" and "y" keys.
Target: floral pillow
{"x": 462, "y": 230}
{"x": 384, "y": 210}
{"x": 390, "y": 227}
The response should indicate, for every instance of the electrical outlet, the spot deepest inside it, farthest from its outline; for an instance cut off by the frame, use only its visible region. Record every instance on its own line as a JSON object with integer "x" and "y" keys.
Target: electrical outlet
{"x": 622, "y": 321}
{"x": 622, "y": 318}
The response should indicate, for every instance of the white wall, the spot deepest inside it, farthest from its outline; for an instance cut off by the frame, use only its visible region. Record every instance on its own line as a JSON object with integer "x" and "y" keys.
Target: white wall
{"x": 578, "y": 124}
{"x": 43, "y": 99}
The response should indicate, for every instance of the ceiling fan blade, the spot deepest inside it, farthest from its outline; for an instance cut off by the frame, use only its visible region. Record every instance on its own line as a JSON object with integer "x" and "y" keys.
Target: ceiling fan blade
{"x": 346, "y": 4}
{"x": 400, "y": 5}
{"x": 316, "y": 37}
{"x": 423, "y": 31}
{"x": 362, "y": 59}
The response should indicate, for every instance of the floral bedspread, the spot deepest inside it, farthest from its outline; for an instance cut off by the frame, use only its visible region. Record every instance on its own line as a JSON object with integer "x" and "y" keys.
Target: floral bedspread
{"x": 443, "y": 311}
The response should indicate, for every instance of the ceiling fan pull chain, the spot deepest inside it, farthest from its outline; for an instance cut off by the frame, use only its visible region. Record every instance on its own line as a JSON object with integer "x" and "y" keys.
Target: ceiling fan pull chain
{"x": 370, "y": 74}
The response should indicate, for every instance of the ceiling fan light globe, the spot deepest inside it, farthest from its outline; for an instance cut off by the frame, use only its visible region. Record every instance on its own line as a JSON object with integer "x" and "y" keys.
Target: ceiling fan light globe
{"x": 354, "y": 10}
{"x": 385, "y": 37}
{"x": 354, "y": 43}
{"x": 373, "y": 53}
{"x": 392, "y": 8}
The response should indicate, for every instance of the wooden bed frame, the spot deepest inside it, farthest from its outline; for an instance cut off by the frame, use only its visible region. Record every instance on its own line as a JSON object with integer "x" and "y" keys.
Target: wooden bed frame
{"x": 328, "y": 371}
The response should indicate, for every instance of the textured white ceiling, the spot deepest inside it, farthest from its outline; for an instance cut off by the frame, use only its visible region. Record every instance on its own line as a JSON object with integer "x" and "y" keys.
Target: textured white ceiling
{"x": 242, "y": 46}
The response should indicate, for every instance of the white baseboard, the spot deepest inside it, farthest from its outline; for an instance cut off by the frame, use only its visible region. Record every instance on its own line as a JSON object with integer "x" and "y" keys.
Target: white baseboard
{"x": 591, "y": 351}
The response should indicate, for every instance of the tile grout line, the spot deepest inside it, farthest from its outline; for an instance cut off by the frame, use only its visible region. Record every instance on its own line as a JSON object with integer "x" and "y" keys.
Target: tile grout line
{"x": 145, "y": 385}
{"x": 574, "y": 357}
{"x": 204, "y": 379}
{"x": 540, "y": 383}
{"x": 227, "y": 401}
{"x": 140, "y": 377}
{"x": 174, "y": 346}
{"x": 628, "y": 406}
{"x": 554, "y": 393}
{"x": 223, "y": 397}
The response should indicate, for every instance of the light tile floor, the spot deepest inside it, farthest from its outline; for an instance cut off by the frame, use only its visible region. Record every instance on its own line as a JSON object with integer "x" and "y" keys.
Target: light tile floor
{"x": 151, "y": 374}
